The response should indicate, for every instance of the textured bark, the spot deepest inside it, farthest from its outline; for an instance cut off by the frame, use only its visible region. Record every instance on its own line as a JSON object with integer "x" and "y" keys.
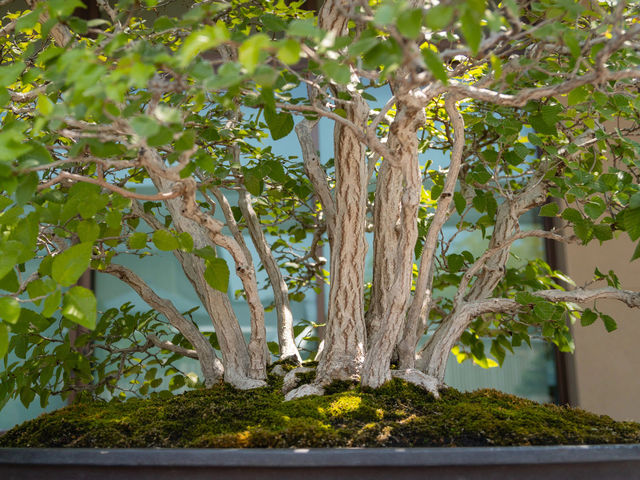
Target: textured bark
{"x": 416, "y": 321}
{"x": 258, "y": 352}
{"x": 396, "y": 207}
{"x": 433, "y": 357}
{"x": 345, "y": 333}
{"x": 286, "y": 340}
{"x": 315, "y": 172}
{"x": 212, "y": 369}
{"x": 235, "y": 354}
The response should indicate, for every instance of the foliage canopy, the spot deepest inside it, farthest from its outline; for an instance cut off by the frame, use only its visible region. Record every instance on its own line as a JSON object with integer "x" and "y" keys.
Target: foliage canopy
{"x": 143, "y": 130}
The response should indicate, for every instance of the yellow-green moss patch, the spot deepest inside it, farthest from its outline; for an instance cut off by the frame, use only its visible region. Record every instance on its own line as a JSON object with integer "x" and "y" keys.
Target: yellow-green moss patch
{"x": 395, "y": 415}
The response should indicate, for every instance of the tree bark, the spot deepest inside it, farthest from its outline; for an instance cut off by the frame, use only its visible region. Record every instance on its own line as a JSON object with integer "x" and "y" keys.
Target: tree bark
{"x": 433, "y": 357}
{"x": 235, "y": 354}
{"x": 286, "y": 340}
{"x": 212, "y": 369}
{"x": 345, "y": 333}
{"x": 416, "y": 321}
{"x": 395, "y": 218}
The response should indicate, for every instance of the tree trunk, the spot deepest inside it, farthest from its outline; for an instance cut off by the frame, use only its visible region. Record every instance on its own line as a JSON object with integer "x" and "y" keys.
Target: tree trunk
{"x": 286, "y": 340}
{"x": 396, "y": 207}
{"x": 433, "y": 357}
{"x": 345, "y": 333}
{"x": 235, "y": 354}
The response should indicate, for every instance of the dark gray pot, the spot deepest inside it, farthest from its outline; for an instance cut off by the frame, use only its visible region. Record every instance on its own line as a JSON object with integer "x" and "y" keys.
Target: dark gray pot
{"x": 520, "y": 463}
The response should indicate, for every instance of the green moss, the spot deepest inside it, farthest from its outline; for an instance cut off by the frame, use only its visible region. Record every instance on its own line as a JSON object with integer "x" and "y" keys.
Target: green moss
{"x": 395, "y": 415}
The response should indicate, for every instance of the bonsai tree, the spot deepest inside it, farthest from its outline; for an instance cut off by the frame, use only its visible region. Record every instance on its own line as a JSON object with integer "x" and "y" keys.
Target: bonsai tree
{"x": 135, "y": 131}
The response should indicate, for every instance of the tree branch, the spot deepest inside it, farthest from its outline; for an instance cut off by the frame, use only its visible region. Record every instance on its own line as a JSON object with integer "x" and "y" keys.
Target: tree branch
{"x": 166, "y": 345}
{"x": 416, "y": 315}
{"x": 315, "y": 172}
{"x": 66, "y": 176}
{"x": 212, "y": 368}
{"x": 286, "y": 340}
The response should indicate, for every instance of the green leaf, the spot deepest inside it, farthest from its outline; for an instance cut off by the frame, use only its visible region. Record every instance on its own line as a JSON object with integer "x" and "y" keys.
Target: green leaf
{"x": 498, "y": 352}
{"x": 460, "y": 202}
{"x": 88, "y": 230}
{"x": 28, "y": 21}
{"x": 45, "y": 106}
{"x": 434, "y": 63}
{"x": 186, "y": 241}
{"x": 63, "y": 8}
{"x": 79, "y": 306}
{"x": 471, "y": 29}
{"x": 409, "y": 22}
{"x": 588, "y": 317}
{"x": 439, "y": 17}
{"x": 273, "y": 22}
{"x": 12, "y": 145}
{"x": 602, "y": 232}
{"x": 67, "y": 266}
{"x": 249, "y": 52}
{"x": 138, "y": 240}
{"x": 609, "y": 323}
{"x": 253, "y": 184}
{"x": 572, "y": 215}
{"x": 51, "y": 304}
{"x": 165, "y": 241}
{"x": 549, "y": 210}
{"x": 525, "y": 298}
{"x": 8, "y": 258}
{"x": 632, "y": 223}
{"x": 339, "y": 72}
{"x": 207, "y": 252}
{"x": 9, "y": 73}
{"x": 636, "y": 253}
{"x": 302, "y": 28}
{"x": 9, "y": 309}
{"x": 544, "y": 310}
{"x": 578, "y": 95}
{"x": 289, "y": 52}
{"x": 455, "y": 262}
{"x": 573, "y": 43}
{"x": 201, "y": 40}
{"x": 280, "y": 124}
{"x": 145, "y": 127}
{"x": 4, "y": 340}
{"x": 595, "y": 207}
{"x": 634, "y": 201}
{"x": 217, "y": 274}
{"x": 384, "y": 14}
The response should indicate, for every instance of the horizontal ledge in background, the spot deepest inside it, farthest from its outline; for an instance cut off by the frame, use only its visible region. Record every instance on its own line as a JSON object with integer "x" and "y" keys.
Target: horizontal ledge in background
{"x": 555, "y": 462}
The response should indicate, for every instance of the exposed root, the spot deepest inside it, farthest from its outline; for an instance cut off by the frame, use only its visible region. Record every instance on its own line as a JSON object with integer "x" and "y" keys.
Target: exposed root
{"x": 304, "y": 391}
{"x": 291, "y": 378}
{"x": 279, "y": 371}
{"x": 416, "y": 377}
{"x": 245, "y": 383}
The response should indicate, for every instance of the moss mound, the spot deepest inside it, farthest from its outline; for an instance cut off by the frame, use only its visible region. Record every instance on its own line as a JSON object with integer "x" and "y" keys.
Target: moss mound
{"x": 396, "y": 415}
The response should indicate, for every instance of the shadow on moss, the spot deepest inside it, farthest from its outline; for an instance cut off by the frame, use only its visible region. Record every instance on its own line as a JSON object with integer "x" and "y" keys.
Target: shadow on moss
{"x": 395, "y": 415}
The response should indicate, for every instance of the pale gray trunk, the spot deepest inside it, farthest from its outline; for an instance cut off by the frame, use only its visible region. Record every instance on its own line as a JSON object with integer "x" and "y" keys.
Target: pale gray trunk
{"x": 345, "y": 332}
{"x": 235, "y": 354}
{"x": 416, "y": 322}
{"x": 286, "y": 340}
{"x": 433, "y": 356}
{"x": 212, "y": 369}
{"x": 396, "y": 206}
